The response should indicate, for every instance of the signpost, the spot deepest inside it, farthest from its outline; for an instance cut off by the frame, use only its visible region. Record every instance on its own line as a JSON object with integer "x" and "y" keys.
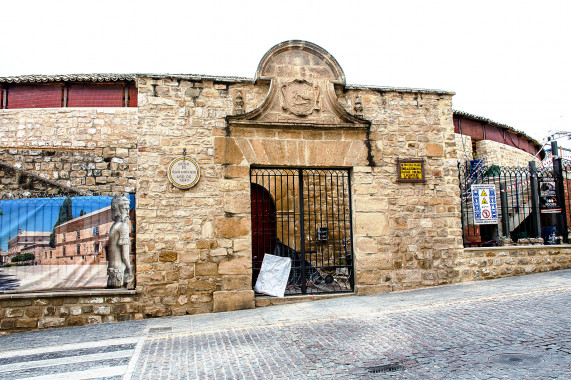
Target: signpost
{"x": 484, "y": 204}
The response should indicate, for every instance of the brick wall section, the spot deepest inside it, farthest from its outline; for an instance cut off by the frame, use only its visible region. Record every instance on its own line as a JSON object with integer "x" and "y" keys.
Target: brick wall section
{"x": 485, "y": 263}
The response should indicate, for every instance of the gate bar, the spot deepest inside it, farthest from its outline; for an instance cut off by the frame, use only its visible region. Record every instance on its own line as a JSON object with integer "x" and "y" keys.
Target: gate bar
{"x": 302, "y": 231}
{"x": 560, "y": 193}
{"x": 535, "y": 214}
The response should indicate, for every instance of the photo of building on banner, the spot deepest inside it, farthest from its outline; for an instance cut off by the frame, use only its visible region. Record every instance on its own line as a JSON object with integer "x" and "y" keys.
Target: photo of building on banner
{"x": 67, "y": 243}
{"x": 484, "y": 204}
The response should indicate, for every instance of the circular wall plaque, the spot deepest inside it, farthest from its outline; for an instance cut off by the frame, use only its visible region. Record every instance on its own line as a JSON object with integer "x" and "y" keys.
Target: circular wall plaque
{"x": 184, "y": 172}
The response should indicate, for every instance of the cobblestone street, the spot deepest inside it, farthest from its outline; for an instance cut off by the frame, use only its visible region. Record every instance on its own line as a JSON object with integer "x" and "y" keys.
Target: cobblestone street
{"x": 510, "y": 328}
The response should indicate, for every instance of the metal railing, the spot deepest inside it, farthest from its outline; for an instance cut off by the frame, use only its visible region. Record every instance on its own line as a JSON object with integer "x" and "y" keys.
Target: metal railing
{"x": 532, "y": 203}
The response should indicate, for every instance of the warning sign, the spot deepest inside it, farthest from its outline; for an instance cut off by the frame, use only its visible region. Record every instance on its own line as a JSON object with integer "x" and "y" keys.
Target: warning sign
{"x": 484, "y": 204}
{"x": 410, "y": 170}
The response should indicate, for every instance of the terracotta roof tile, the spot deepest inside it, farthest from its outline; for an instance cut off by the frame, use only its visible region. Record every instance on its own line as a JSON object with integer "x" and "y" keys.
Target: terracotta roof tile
{"x": 68, "y": 78}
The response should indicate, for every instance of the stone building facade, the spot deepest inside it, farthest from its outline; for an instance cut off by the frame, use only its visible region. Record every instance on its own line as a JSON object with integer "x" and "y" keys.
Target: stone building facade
{"x": 194, "y": 246}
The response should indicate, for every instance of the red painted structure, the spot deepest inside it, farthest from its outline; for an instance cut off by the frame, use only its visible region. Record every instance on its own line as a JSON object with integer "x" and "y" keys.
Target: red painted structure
{"x": 57, "y": 95}
{"x": 480, "y": 128}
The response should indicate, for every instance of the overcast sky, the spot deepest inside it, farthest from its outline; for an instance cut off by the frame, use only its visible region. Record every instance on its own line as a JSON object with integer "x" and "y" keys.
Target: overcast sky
{"x": 509, "y": 61}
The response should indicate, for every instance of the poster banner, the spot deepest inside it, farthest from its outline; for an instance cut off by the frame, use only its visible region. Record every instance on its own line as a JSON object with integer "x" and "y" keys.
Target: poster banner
{"x": 67, "y": 243}
{"x": 548, "y": 197}
{"x": 484, "y": 204}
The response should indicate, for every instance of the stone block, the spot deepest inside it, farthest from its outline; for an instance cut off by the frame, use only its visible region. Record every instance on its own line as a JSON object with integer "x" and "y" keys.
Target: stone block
{"x": 33, "y": 312}
{"x": 50, "y": 322}
{"x": 368, "y": 277}
{"x": 226, "y": 151}
{"x": 200, "y": 298}
{"x": 236, "y": 282}
{"x": 231, "y": 227}
{"x": 206, "y": 269}
{"x": 203, "y": 284}
{"x": 239, "y": 265}
{"x": 27, "y": 324}
{"x": 233, "y": 300}
{"x": 87, "y": 309}
{"x": 371, "y": 224}
{"x": 14, "y": 313}
{"x": 8, "y": 324}
{"x": 233, "y": 171}
{"x": 237, "y": 203}
{"x": 366, "y": 245}
{"x": 242, "y": 245}
{"x": 102, "y": 310}
{"x": 94, "y": 319}
{"x": 18, "y": 303}
{"x": 365, "y": 290}
{"x": 371, "y": 204}
{"x": 409, "y": 276}
{"x": 434, "y": 150}
{"x": 168, "y": 256}
{"x": 218, "y": 252}
{"x": 155, "y": 311}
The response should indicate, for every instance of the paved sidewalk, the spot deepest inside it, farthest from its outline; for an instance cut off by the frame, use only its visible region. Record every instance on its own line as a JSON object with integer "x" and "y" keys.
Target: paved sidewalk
{"x": 511, "y": 328}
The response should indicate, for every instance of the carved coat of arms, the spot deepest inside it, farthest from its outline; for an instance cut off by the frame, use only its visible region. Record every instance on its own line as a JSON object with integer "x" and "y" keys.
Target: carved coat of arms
{"x": 300, "y": 97}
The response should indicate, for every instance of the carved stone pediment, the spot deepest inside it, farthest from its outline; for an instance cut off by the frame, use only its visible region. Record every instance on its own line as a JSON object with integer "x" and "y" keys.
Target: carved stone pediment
{"x": 302, "y": 77}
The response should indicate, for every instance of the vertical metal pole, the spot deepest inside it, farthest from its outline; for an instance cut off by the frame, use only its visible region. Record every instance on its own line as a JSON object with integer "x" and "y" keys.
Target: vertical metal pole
{"x": 505, "y": 213}
{"x": 560, "y": 191}
{"x": 460, "y": 183}
{"x": 535, "y": 216}
{"x": 302, "y": 234}
{"x": 352, "y": 278}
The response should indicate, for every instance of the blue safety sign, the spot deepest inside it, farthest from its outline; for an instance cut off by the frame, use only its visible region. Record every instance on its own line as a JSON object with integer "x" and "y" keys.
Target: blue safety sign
{"x": 484, "y": 204}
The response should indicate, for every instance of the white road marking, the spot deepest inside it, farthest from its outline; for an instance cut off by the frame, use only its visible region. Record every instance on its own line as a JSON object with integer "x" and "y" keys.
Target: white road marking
{"x": 66, "y": 360}
{"x": 80, "y": 375}
{"x": 68, "y": 347}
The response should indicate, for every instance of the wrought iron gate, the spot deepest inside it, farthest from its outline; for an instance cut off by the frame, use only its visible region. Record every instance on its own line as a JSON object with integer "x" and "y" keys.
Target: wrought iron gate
{"x": 304, "y": 214}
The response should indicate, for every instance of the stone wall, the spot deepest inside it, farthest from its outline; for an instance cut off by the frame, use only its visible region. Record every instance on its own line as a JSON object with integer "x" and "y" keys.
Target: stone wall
{"x": 36, "y": 311}
{"x": 496, "y": 153}
{"x": 464, "y": 148}
{"x": 91, "y": 150}
{"x": 494, "y": 262}
{"x": 406, "y": 234}
{"x": 194, "y": 246}
{"x": 85, "y": 150}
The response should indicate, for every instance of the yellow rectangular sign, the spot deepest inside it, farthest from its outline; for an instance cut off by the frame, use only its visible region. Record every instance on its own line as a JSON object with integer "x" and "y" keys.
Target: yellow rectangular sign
{"x": 411, "y": 170}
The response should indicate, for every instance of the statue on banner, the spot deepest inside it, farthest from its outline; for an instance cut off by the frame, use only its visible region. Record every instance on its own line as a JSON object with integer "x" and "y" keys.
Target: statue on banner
{"x": 119, "y": 270}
